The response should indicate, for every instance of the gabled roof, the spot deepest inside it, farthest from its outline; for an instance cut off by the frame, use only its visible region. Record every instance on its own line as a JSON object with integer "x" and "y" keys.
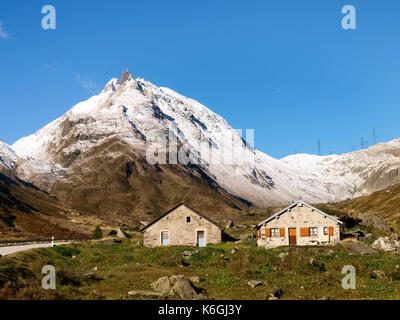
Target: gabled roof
{"x": 173, "y": 209}
{"x": 295, "y": 204}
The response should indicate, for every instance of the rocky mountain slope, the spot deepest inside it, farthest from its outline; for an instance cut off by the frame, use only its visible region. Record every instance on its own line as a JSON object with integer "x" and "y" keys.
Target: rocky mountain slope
{"x": 100, "y": 159}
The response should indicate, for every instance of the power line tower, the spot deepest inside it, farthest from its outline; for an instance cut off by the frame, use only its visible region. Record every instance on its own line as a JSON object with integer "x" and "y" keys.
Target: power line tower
{"x": 362, "y": 142}
{"x": 319, "y": 147}
{"x": 374, "y": 136}
{"x": 353, "y": 147}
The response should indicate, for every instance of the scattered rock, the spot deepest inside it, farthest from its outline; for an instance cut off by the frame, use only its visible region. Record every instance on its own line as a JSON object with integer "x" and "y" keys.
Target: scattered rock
{"x": 394, "y": 236}
{"x": 143, "y": 293}
{"x": 282, "y": 255}
{"x": 229, "y": 224}
{"x": 254, "y": 283}
{"x": 194, "y": 279}
{"x": 187, "y": 254}
{"x": 378, "y": 274}
{"x": 96, "y": 268}
{"x": 122, "y": 234}
{"x": 368, "y": 236}
{"x": 275, "y": 294}
{"x": 311, "y": 260}
{"x": 386, "y": 244}
{"x": 233, "y": 251}
{"x": 73, "y": 257}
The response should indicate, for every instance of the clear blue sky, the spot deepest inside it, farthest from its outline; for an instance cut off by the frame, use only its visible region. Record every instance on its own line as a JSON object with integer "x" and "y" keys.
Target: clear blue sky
{"x": 285, "y": 68}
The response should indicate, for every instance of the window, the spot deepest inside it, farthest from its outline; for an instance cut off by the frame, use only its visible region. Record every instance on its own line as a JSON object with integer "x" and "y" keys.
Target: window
{"x": 326, "y": 232}
{"x": 313, "y": 231}
{"x": 274, "y": 232}
{"x": 164, "y": 237}
{"x": 187, "y": 219}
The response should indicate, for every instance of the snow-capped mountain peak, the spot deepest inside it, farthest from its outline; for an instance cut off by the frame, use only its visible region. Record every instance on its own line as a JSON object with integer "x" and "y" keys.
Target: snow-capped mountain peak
{"x": 144, "y": 116}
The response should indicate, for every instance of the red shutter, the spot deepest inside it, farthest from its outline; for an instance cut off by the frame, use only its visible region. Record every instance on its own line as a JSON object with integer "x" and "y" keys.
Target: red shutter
{"x": 282, "y": 232}
{"x": 304, "y": 232}
{"x": 331, "y": 231}
{"x": 268, "y": 232}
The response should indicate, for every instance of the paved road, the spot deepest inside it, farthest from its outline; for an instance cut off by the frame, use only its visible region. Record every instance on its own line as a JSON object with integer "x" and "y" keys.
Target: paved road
{"x": 12, "y": 249}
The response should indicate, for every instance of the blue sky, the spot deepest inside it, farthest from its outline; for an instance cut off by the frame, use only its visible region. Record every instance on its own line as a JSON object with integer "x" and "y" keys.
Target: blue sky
{"x": 285, "y": 68}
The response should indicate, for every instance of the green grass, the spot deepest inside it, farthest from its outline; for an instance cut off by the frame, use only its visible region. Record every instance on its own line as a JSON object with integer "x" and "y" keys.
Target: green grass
{"x": 304, "y": 273}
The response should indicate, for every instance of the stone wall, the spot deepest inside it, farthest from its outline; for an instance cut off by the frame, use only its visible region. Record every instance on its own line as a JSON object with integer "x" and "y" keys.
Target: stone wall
{"x": 181, "y": 232}
{"x": 300, "y": 217}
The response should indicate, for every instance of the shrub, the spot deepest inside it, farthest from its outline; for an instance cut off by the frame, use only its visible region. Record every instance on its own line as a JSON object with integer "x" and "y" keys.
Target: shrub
{"x": 97, "y": 233}
{"x": 66, "y": 251}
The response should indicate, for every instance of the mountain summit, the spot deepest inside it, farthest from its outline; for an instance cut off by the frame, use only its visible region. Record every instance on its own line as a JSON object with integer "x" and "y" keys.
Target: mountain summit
{"x": 97, "y": 155}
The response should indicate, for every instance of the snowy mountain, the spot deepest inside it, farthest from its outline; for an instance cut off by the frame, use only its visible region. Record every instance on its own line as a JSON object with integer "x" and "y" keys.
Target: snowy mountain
{"x": 131, "y": 119}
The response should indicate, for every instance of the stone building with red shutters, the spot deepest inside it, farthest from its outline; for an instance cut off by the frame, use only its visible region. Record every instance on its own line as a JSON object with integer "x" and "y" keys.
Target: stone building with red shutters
{"x": 299, "y": 224}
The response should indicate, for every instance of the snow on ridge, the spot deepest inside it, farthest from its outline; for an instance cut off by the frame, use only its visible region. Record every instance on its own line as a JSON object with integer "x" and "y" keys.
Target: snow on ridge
{"x": 132, "y": 108}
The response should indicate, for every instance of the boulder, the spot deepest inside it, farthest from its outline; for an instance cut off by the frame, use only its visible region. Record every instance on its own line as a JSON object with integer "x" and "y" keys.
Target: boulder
{"x": 254, "y": 283}
{"x": 178, "y": 285}
{"x": 357, "y": 247}
{"x": 386, "y": 244}
{"x": 184, "y": 288}
{"x": 163, "y": 285}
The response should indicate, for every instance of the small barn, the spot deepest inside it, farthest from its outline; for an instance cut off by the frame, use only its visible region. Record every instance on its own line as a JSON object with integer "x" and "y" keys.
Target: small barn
{"x": 299, "y": 224}
{"x": 181, "y": 226}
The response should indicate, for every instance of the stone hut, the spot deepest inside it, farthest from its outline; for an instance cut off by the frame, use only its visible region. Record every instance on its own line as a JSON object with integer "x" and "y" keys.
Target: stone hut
{"x": 181, "y": 226}
{"x": 299, "y": 224}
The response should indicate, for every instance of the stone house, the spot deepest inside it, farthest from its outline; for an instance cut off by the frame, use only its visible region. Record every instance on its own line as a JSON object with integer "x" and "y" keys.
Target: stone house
{"x": 181, "y": 226}
{"x": 299, "y": 224}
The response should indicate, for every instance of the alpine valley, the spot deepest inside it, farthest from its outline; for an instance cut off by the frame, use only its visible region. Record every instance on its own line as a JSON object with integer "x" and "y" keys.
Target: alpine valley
{"x": 90, "y": 166}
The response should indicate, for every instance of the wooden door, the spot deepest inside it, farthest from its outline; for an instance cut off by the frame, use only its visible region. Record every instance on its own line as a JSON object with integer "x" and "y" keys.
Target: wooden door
{"x": 292, "y": 236}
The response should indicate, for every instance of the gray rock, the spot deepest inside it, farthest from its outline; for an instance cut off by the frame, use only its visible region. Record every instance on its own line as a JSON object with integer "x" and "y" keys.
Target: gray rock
{"x": 233, "y": 251}
{"x": 184, "y": 288}
{"x": 254, "y": 283}
{"x": 122, "y": 234}
{"x": 356, "y": 247}
{"x": 386, "y": 244}
{"x": 143, "y": 293}
{"x": 194, "y": 279}
{"x": 178, "y": 285}
{"x": 229, "y": 224}
{"x": 394, "y": 236}
{"x": 163, "y": 286}
{"x": 187, "y": 254}
{"x": 378, "y": 274}
{"x": 282, "y": 255}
